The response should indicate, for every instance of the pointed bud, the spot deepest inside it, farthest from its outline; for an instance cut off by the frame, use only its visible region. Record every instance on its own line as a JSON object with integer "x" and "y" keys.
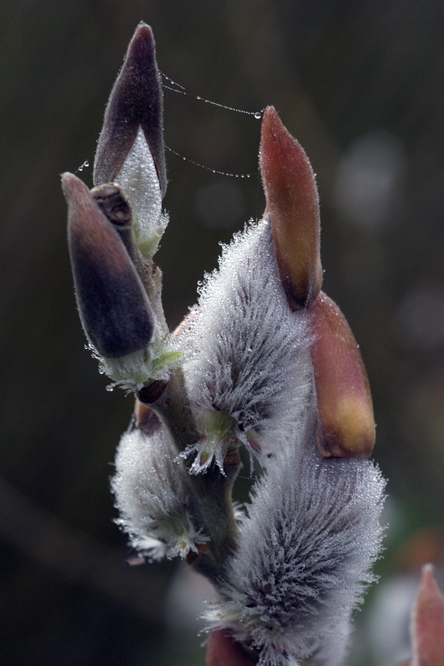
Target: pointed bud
{"x": 428, "y": 622}
{"x": 346, "y": 427}
{"x": 222, "y": 650}
{"x": 293, "y": 205}
{"x": 131, "y": 149}
{"x": 135, "y": 101}
{"x": 113, "y": 305}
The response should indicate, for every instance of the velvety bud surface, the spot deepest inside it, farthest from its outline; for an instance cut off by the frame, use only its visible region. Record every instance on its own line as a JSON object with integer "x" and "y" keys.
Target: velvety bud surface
{"x": 113, "y": 305}
{"x": 428, "y": 622}
{"x": 136, "y": 101}
{"x": 346, "y": 426}
{"x": 292, "y": 201}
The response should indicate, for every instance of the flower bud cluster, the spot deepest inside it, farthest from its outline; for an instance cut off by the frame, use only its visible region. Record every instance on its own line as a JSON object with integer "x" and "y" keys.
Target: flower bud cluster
{"x": 265, "y": 360}
{"x": 114, "y": 229}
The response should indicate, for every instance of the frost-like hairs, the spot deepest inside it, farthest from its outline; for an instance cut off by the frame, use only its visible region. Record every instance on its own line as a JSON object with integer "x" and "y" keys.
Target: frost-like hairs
{"x": 304, "y": 556}
{"x": 152, "y": 496}
{"x": 248, "y": 354}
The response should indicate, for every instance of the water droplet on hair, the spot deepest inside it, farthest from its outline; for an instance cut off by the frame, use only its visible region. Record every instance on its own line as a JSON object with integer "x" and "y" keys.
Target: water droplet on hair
{"x": 85, "y": 164}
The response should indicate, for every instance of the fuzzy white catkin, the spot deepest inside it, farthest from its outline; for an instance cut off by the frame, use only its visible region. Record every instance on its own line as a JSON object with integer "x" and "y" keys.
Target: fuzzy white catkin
{"x": 140, "y": 183}
{"x": 153, "y": 497}
{"x": 304, "y": 556}
{"x": 247, "y": 354}
{"x": 312, "y": 532}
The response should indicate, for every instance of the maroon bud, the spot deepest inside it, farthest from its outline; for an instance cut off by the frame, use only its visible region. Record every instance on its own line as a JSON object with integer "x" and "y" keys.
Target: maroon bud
{"x": 293, "y": 205}
{"x": 428, "y": 622}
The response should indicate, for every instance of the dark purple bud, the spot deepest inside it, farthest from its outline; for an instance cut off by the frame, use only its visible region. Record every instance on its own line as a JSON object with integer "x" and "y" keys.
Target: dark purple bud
{"x": 114, "y": 308}
{"x": 136, "y": 101}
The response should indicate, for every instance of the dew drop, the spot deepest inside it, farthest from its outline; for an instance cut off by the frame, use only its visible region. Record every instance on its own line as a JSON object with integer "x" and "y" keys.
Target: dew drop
{"x": 85, "y": 164}
{"x": 258, "y": 115}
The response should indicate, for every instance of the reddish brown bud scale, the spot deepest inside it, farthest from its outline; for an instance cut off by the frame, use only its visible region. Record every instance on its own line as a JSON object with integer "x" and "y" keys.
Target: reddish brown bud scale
{"x": 346, "y": 427}
{"x": 293, "y": 205}
{"x": 428, "y": 622}
{"x": 113, "y": 305}
{"x": 222, "y": 650}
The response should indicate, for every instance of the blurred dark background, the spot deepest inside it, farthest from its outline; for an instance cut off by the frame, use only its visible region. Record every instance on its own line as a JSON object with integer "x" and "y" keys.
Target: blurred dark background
{"x": 360, "y": 84}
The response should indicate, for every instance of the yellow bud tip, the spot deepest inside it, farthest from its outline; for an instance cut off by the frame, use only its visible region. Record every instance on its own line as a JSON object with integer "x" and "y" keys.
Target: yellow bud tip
{"x": 293, "y": 205}
{"x": 346, "y": 427}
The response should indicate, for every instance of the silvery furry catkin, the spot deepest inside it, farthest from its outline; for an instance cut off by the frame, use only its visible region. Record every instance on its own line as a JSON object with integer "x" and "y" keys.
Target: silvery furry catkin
{"x": 265, "y": 361}
{"x": 153, "y": 497}
{"x": 246, "y": 354}
{"x": 305, "y": 552}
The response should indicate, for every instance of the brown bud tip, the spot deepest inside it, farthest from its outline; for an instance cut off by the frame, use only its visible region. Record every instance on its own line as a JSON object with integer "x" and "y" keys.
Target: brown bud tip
{"x": 428, "y": 622}
{"x": 136, "y": 101}
{"x": 223, "y": 650}
{"x": 113, "y": 305}
{"x": 146, "y": 418}
{"x": 346, "y": 427}
{"x": 113, "y": 204}
{"x": 293, "y": 205}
